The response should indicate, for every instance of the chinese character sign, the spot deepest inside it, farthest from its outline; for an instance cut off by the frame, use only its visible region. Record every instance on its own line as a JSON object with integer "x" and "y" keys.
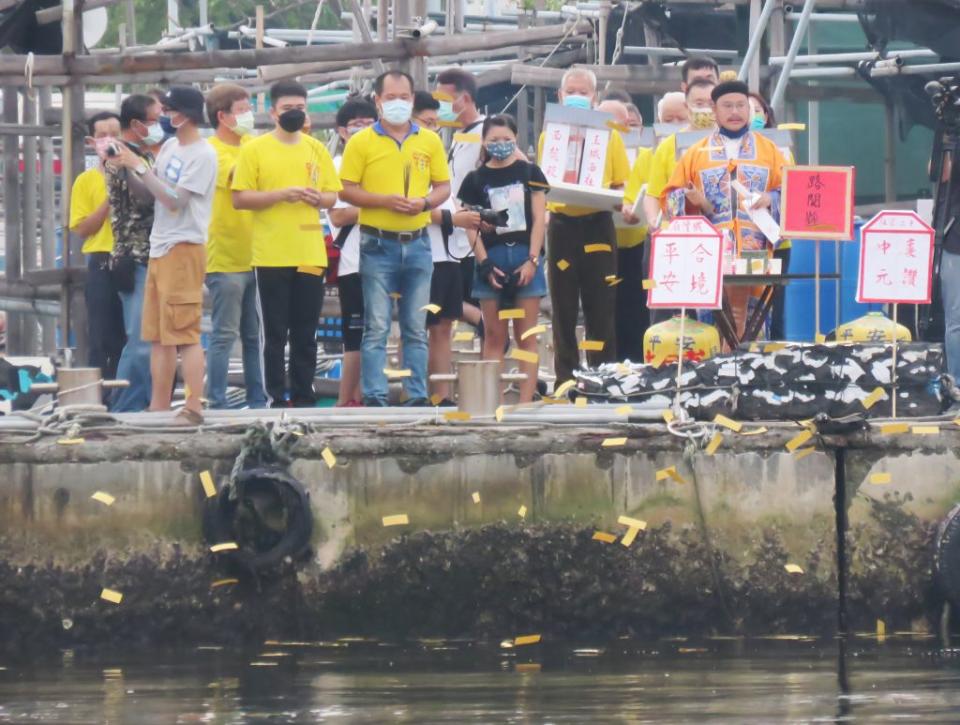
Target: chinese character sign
{"x": 896, "y": 259}
{"x": 594, "y": 157}
{"x": 554, "y": 160}
{"x": 818, "y": 202}
{"x": 686, "y": 265}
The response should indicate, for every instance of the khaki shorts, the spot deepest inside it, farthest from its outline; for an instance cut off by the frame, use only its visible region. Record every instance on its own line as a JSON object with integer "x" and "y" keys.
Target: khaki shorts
{"x": 173, "y": 299}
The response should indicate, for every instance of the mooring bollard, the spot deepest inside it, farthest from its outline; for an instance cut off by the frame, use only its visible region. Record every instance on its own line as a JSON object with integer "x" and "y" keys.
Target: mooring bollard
{"x": 78, "y": 386}
{"x": 478, "y": 385}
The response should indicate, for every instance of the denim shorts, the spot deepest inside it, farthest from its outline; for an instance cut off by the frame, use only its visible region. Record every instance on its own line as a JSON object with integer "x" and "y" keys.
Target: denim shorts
{"x": 507, "y": 258}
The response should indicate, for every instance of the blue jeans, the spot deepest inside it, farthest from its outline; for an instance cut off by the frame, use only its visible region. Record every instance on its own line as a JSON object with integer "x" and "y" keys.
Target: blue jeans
{"x": 950, "y": 290}
{"x": 134, "y": 365}
{"x": 388, "y": 266}
{"x": 234, "y": 311}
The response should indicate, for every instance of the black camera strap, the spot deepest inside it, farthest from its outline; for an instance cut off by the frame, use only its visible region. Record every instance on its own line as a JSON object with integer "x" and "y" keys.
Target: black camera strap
{"x": 342, "y": 236}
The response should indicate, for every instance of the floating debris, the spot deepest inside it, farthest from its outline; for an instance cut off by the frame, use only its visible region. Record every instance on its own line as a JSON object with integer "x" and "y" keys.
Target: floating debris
{"x": 562, "y": 264}
{"x": 591, "y": 345}
{"x": 225, "y": 546}
{"x": 465, "y": 336}
{"x": 734, "y": 425}
{"x": 528, "y": 667}
{"x": 598, "y": 247}
{"x": 328, "y": 457}
{"x": 613, "y": 442}
{"x": 512, "y": 314}
{"x": 535, "y": 330}
{"x": 526, "y": 639}
{"x": 623, "y": 410}
{"x": 454, "y": 415}
{"x": 264, "y": 664}
{"x": 604, "y": 537}
{"x": 670, "y": 472}
{"x": 881, "y": 631}
{"x": 879, "y": 479}
{"x": 793, "y": 569}
{"x": 522, "y": 512}
{"x": 714, "y": 443}
{"x": 431, "y": 308}
{"x": 475, "y": 496}
{"x": 798, "y": 440}
{"x": 105, "y": 498}
{"x": 649, "y": 284}
{"x": 111, "y": 595}
{"x": 524, "y": 355}
{"x": 396, "y": 520}
{"x": 392, "y": 374}
{"x": 206, "y": 480}
{"x": 70, "y": 441}
{"x": 925, "y": 430}
{"x": 888, "y": 429}
{"x": 563, "y": 388}
{"x": 223, "y": 583}
{"x": 874, "y": 397}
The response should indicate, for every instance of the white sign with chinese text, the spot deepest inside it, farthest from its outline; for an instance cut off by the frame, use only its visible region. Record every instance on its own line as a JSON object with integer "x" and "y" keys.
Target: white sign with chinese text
{"x": 896, "y": 259}
{"x": 686, "y": 265}
{"x": 594, "y": 157}
{"x": 554, "y": 160}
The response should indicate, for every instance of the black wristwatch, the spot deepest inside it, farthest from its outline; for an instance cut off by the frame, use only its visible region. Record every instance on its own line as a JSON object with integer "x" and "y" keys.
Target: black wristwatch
{"x": 426, "y": 203}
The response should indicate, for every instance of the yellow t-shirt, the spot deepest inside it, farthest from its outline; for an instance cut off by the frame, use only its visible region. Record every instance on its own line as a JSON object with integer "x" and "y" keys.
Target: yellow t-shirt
{"x": 633, "y": 235}
{"x": 230, "y": 241}
{"x": 286, "y": 234}
{"x": 89, "y": 193}
{"x": 376, "y": 162}
{"x": 616, "y": 169}
{"x": 662, "y": 165}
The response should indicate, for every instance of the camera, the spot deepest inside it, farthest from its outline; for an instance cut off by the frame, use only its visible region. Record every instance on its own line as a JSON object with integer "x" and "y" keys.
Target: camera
{"x": 112, "y": 150}
{"x": 491, "y": 217}
{"x": 507, "y": 299}
{"x": 945, "y": 96}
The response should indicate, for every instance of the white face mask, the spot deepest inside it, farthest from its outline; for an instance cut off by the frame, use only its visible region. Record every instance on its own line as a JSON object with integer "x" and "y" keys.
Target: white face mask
{"x": 245, "y": 123}
{"x": 154, "y": 134}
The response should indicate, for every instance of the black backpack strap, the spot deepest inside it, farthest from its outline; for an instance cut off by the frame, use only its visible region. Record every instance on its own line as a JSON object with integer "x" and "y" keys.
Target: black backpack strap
{"x": 342, "y": 236}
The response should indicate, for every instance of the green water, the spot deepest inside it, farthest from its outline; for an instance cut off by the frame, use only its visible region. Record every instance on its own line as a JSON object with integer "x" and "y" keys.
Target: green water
{"x": 737, "y": 681}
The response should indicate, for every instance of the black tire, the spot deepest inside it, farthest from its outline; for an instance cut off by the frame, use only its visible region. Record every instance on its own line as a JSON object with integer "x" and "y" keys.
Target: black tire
{"x": 947, "y": 556}
{"x": 268, "y": 489}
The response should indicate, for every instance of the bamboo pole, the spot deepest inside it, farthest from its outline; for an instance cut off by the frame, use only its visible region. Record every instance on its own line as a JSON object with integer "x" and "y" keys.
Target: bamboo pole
{"x": 29, "y": 195}
{"x": 11, "y": 214}
{"x": 48, "y": 224}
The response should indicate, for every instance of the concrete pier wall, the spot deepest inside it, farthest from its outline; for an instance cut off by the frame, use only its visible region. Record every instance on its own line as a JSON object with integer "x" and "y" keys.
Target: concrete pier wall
{"x": 710, "y": 561}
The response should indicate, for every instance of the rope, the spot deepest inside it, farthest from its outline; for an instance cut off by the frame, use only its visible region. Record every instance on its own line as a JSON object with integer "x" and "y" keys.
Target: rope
{"x": 28, "y": 73}
{"x": 618, "y": 46}
{"x": 316, "y": 19}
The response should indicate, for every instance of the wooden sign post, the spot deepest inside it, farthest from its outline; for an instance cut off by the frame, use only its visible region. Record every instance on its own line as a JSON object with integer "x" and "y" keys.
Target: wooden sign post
{"x": 817, "y": 204}
{"x": 686, "y": 272}
{"x": 896, "y": 265}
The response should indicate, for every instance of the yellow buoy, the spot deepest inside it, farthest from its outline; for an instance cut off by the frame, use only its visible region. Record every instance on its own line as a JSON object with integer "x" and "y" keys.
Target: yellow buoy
{"x": 872, "y": 327}
{"x": 660, "y": 342}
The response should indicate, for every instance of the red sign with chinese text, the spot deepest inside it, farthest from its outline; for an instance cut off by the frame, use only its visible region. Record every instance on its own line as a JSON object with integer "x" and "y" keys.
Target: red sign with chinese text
{"x": 817, "y": 202}
{"x": 896, "y": 259}
{"x": 686, "y": 265}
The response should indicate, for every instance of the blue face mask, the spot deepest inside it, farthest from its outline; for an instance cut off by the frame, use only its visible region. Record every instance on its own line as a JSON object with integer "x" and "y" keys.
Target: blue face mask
{"x": 397, "y": 111}
{"x": 167, "y": 125}
{"x": 501, "y": 150}
{"x": 758, "y": 122}
{"x": 446, "y": 112}
{"x": 577, "y": 102}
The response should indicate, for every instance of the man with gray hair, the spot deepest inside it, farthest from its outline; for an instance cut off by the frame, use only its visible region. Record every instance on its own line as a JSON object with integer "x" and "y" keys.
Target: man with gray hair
{"x": 672, "y": 108}
{"x": 582, "y": 253}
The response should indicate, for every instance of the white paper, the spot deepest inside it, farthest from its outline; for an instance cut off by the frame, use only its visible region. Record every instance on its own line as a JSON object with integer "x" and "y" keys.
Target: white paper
{"x": 554, "y": 159}
{"x": 686, "y": 265}
{"x": 761, "y": 217}
{"x": 578, "y": 195}
{"x": 896, "y": 259}
{"x": 594, "y": 157}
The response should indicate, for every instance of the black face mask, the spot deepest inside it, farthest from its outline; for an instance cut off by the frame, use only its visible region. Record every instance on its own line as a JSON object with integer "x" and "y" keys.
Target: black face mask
{"x": 292, "y": 121}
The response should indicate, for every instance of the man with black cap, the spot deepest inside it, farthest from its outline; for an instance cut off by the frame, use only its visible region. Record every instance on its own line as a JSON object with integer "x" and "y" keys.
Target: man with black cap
{"x": 700, "y": 184}
{"x": 182, "y": 184}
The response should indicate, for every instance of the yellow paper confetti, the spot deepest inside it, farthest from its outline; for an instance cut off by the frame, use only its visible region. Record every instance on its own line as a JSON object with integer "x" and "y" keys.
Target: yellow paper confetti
{"x": 792, "y": 126}
{"x": 526, "y": 639}
{"x": 562, "y": 264}
{"x": 753, "y": 431}
{"x": 774, "y": 347}
{"x": 70, "y": 441}
{"x": 226, "y": 546}
{"x": 391, "y": 374}
{"x": 820, "y": 338}
{"x": 111, "y": 595}
{"x": 803, "y": 453}
{"x": 396, "y": 295}
{"x": 668, "y": 416}
{"x": 475, "y": 496}
{"x": 874, "y": 397}
{"x": 328, "y": 457}
{"x": 435, "y": 399}
{"x": 793, "y": 569}
{"x": 563, "y": 388}
{"x": 714, "y": 443}
{"x": 756, "y": 266}
{"x": 522, "y": 512}
{"x": 623, "y": 410}
{"x": 514, "y": 314}
{"x": 734, "y": 425}
{"x": 580, "y": 402}
{"x": 536, "y": 330}
{"x": 592, "y": 345}
{"x": 613, "y": 442}
{"x": 889, "y": 429}
{"x": 396, "y": 520}
{"x": 431, "y": 308}
{"x": 630, "y": 536}
{"x": 498, "y": 413}
{"x": 223, "y": 583}
{"x": 879, "y": 479}
{"x": 612, "y": 280}
{"x": 206, "y": 480}
{"x": 649, "y": 284}
{"x": 456, "y": 415}
{"x": 599, "y": 247}
{"x": 466, "y": 138}
{"x": 315, "y": 271}
{"x": 528, "y": 667}
{"x": 881, "y": 631}
{"x": 632, "y": 523}
{"x": 105, "y": 498}
{"x": 441, "y": 96}
{"x": 604, "y": 537}
{"x": 925, "y": 430}
{"x": 465, "y": 336}
{"x": 798, "y": 440}
{"x": 524, "y": 355}
{"x": 670, "y": 472}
